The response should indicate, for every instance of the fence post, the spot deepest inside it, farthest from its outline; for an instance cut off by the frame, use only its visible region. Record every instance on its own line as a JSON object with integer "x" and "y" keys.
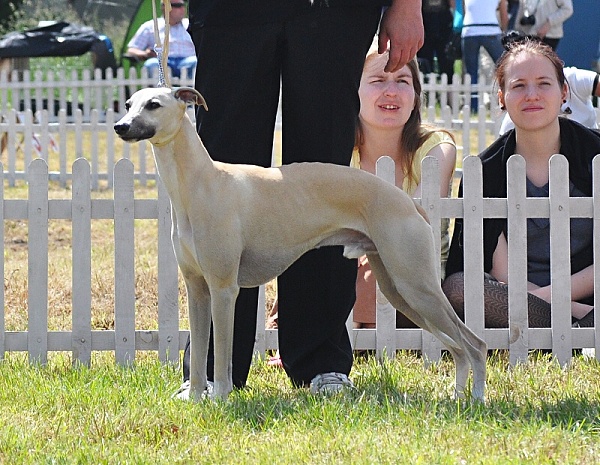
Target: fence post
{"x": 28, "y": 125}
{"x": 385, "y": 314}
{"x": 81, "y": 217}
{"x": 62, "y": 148}
{"x": 110, "y": 146}
{"x": 37, "y": 277}
{"x": 39, "y": 92}
{"x": 2, "y": 324}
{"x": 12, "y": 146}
{"x": 518, "y": 315}
{"x": 95, "y": 129}
{"x": 466, "y": 135}
{"x": 260, "y": 341}
{"x": 141, "y": 146}
{"x": 168, "y": 289}
{"x": 124, "y": 263}
{"x": 473, "y": 241}
{"x": 44, "y": 137}
{"x": 430, "y": 201}
{"x": 62, "y": 89}
{"x": 596, "y": 220}
{"x": 560, "y": 259}
{"x": 78, "y": 130}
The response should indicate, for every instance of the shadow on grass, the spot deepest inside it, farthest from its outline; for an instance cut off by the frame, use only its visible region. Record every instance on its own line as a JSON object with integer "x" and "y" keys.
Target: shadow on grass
{"x": 387, "y": 391}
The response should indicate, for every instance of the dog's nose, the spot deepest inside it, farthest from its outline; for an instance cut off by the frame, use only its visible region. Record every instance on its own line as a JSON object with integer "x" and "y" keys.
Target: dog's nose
{"x": 121, "y": 128}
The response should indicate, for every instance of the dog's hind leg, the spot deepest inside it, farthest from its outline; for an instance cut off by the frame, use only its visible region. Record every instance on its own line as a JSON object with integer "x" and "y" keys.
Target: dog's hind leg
{"x": 461, "y": 360}
{"x": 199, "y": 315}
{"x": 478, "y": 356}
{"x": 430, "y": 310}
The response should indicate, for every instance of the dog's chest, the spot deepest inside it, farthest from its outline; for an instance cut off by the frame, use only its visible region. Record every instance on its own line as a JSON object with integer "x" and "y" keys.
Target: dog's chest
{"x": 183, "y": 242}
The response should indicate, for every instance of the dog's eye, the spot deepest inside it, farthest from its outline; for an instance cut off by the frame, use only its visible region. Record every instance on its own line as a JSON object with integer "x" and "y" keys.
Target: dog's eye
{"x": 127, "y": 105}
{"x": 153, "y": 105}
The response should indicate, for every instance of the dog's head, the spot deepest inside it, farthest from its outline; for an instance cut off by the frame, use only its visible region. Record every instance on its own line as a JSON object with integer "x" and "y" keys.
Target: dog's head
{"x": 155, "y": 114}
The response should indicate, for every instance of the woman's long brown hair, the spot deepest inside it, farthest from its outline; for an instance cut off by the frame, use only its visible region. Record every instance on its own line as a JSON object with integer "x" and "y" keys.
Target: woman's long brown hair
{"x": 415, "y": 133}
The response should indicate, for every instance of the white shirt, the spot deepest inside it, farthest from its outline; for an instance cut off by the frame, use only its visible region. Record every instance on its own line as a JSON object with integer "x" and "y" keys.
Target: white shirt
{"x": 479, "y": 12}
{"x": 578, "y": 105}
{"x": 180, "y": 42}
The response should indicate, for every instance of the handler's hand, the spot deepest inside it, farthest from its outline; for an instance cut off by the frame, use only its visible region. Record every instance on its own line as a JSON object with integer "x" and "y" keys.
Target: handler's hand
{"x": 402, "y": 27}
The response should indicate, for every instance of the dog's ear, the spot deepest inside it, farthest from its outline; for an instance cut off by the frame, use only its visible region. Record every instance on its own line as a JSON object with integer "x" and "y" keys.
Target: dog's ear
{"x": 189, "y": 95}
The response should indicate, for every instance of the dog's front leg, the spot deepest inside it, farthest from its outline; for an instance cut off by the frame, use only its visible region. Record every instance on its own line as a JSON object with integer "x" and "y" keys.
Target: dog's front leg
{"x": 199, "y": 315}
{"x": 223, "y": 312}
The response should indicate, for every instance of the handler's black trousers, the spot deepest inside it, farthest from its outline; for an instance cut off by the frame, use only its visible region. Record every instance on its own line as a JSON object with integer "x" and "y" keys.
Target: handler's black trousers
{"x": 317, "y": 55}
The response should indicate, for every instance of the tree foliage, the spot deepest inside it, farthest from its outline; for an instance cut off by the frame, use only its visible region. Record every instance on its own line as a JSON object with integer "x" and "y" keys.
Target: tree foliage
{"x": 18, "y": 15}
{"x": 8, "y": 11}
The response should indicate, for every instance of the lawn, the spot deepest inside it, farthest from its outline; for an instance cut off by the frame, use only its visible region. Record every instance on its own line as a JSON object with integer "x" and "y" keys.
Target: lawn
{"x": 400, "y": 412}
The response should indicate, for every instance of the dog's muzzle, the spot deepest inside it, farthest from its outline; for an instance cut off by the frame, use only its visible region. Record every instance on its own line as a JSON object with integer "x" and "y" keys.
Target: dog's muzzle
{"x": 129, "y": 134}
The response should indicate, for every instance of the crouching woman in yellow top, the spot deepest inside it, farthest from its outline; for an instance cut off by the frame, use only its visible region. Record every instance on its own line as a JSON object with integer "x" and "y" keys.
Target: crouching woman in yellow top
{"x": 390, "y": 124}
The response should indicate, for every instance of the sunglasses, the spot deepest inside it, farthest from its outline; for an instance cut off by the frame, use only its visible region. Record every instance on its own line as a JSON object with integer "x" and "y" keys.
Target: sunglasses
{"x": 177, "y": 5}
{"x": 515, "y": 37}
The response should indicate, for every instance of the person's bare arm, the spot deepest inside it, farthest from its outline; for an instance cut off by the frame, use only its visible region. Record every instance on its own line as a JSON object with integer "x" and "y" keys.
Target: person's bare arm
{"x": 582, "y": 286}
{"x": 500, "y": 260}
{"x": 582, "y": 282}
{"x": 446, "y": 156}
{"x": 503, "y": 13}
{"x": 402, "y": 31}
{"x": 141, "y": 54}
{"x": 596, "y": 90}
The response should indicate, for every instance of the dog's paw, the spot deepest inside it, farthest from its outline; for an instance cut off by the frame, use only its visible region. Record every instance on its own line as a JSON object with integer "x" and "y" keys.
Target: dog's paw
{"x": 185, "y": 392}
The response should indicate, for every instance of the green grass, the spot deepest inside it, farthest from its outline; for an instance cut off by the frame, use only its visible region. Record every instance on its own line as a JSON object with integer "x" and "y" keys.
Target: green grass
{"x": 401, "y": 412}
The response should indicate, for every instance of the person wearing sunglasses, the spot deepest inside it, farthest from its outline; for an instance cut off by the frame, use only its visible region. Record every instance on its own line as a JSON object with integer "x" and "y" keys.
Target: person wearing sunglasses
{"x": 182, "y": 54}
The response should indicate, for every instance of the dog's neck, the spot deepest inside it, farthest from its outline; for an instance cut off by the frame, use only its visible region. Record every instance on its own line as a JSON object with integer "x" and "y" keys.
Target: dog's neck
{"x": 183, "y": 163}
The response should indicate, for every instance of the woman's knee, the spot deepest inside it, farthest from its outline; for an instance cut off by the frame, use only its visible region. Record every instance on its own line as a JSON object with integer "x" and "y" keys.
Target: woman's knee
{"x": 453, "y": 287}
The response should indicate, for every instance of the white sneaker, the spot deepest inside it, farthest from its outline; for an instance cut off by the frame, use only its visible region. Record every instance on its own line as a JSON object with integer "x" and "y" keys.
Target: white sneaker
{"x": 330, "y": 383}
{"x": 183, "y": 393}
{"x": 588, "y": 353}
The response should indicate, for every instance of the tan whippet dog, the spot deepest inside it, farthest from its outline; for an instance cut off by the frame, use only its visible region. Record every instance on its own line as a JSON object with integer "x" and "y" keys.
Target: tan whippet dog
{"x": 241, "y": 226}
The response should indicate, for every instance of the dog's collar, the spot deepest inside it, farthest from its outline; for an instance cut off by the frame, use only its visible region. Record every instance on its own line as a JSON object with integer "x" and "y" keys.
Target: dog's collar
{"x": 163, "y": 143}
{"x": 168, "y": 141}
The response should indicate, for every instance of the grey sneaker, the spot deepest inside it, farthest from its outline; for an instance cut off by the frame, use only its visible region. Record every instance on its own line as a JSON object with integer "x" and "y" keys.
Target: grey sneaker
{"x": 183, "y": 393}
{"x": 330, "y": 383}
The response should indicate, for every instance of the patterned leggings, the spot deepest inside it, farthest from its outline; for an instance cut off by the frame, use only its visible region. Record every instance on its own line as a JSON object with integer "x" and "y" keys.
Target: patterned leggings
{"x": 495, "y": 295}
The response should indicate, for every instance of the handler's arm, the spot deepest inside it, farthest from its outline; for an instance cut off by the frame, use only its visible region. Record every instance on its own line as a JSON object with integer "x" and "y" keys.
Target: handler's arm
{"x": 401, "y": 27}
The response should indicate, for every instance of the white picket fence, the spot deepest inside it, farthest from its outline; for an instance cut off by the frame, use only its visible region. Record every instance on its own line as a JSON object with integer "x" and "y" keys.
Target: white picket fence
{"x": 85, "y": 90}
{"x": 69, "y": 107}
{"x": 125, "y": 340}
{"x": 84, "y": 110}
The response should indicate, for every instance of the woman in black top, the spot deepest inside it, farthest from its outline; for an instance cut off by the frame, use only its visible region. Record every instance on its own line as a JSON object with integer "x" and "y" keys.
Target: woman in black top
{"x": 532, "y": 88}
